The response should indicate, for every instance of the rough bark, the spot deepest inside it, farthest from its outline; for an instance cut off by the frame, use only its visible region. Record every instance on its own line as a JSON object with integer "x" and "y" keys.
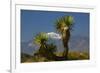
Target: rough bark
{"x": 65, "y": 39}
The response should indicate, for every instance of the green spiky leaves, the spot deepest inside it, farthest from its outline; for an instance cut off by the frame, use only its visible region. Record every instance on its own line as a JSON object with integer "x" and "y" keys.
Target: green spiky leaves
{"x": 41, "y": 38}
{"x": 65, "y": 21}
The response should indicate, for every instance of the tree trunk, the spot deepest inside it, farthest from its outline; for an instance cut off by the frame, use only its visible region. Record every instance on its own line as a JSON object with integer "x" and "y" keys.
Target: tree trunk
{"x": 65, "y": 39}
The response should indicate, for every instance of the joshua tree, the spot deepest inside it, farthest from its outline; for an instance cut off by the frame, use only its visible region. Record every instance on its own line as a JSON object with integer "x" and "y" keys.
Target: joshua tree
{"x": 46, "y": 49}
{"x": 64, "y": 26}
{"x": 41, "y": 40}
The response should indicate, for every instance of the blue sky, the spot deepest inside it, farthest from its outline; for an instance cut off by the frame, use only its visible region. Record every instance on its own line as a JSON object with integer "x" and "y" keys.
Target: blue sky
{"x": 33, "y": 22}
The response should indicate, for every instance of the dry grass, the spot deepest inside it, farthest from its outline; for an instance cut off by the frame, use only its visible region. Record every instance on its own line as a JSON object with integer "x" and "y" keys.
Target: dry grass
{"x": 71, "y": 56}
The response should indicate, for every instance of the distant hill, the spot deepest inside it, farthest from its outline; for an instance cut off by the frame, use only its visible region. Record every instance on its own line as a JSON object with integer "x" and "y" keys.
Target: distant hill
{"x": 28, "y": 47}
{"x": 77, "y": 43}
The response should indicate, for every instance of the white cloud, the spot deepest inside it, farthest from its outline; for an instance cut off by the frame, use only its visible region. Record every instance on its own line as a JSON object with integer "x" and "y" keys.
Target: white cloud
{"x": 30, "y": 45}
{"x": 54, "y": 35}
